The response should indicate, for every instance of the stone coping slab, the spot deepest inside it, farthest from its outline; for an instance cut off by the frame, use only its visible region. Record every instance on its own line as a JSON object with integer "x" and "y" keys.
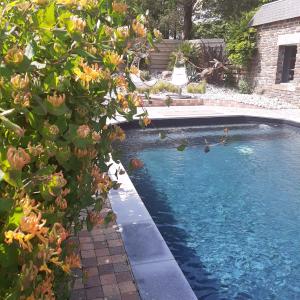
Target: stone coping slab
{"x": 156, "y": 272}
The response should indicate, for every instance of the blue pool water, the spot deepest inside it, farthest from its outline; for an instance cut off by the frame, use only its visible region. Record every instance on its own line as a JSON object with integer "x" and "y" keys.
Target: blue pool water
{"x": 230, "y": 217}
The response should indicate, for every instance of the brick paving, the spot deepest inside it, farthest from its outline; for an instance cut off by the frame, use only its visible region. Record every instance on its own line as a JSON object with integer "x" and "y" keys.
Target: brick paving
{"x": 106, "y": 272}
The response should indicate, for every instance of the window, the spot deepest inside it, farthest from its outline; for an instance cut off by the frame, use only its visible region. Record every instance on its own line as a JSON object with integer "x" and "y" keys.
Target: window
{"x": 289, "y": 62}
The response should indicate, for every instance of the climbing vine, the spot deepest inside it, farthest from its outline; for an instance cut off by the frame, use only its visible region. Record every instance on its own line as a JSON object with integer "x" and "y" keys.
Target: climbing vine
{"x": 64, "y": 66}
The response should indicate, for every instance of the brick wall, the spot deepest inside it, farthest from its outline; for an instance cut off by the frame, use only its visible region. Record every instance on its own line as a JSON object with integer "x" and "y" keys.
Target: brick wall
{"x": 264, "y": 69}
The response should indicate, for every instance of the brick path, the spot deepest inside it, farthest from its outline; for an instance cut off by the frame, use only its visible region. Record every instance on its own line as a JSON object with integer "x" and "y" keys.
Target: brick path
{"x": 106, "y": 273}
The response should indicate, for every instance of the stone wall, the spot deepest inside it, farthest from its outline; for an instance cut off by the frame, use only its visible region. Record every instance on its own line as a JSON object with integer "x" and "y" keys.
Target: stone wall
{"x": 266, "y": 66}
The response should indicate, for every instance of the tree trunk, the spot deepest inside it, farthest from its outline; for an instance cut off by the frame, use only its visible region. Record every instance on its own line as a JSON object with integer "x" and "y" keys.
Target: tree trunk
{"x": 188, "y": 22}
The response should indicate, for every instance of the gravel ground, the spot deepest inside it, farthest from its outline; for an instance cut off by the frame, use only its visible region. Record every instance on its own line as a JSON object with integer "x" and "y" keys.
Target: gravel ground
{"x": 221, "y": 93}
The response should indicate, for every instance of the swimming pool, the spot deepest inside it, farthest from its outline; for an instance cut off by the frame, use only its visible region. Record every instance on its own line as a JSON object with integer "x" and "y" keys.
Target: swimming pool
{"x": 230, "y": 217}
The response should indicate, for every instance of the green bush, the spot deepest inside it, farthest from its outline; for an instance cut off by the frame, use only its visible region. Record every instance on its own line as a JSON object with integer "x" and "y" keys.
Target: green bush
{"x": 244, "y": 87}
{"x": 160, "y": 87}
{"x": 241, "y": 40}
{"x": 59, "y": 59}
{"x": 197, "y": 88}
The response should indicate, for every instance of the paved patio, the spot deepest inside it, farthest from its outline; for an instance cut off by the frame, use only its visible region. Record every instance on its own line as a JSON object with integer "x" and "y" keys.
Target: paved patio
{"x": 106, "y": 273}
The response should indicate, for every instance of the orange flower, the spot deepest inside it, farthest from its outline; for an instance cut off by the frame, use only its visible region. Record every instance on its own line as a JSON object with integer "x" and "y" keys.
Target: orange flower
{"x": 14, "y": 56}
{"x": 123, "y": 32}
{"x": 134, "y": 70}
{"x": 24, "y": 240}
{"x": 119, "y": 7}
{"x": 73, "y": 261}
{"x": 78, "y": 24}
{"x": 96, "y": 136}
{"x": 61, "y": 203}
{"x": 113, "y": 58}
{"x": 17, "y": 158}
{"x": 83, "y": 131}
{"x": 146, "y": 121}
{"x": 136, "y": 164}
{"x": 31, "y": 224}
{"x": 157, "y": 33}
{"x": 20, "y": 83}
{"x": 118, "y": 134}
{"x": 139, "y": 28}
{"x": 56, "y": 100}
{"x": 22, "y": 98}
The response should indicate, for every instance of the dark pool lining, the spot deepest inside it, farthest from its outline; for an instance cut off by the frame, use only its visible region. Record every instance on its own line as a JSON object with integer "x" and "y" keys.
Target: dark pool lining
{"x": 208, "y": 120}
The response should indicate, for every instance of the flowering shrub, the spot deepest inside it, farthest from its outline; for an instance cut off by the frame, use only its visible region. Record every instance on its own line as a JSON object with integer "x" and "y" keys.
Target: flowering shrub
{"x": 63, "y": 74}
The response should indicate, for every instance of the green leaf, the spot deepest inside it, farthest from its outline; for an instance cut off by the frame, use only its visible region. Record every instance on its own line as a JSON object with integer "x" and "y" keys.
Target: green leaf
{"x": 8, "y": 256}
{"x": 14, "y": 220}
{"x": 162, "y": 135}
{"x": 5, "y": 205}
{"x": 182, "y": 147}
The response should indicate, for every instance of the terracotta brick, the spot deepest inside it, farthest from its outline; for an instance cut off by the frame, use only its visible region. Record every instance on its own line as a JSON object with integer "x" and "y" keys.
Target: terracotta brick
{"x": 115, "y": 243}
{"x": 99, "y": 238}
{"x": 121, "y": 267}
{"x": 92, "y": 281}
{"x": 106, "y": 269}
{"x": 89, "y": 246}
{"x": 126, "y": 287}
{"x": 93, "y": 271}
{"x": 118, "y": 258}
{"x": 123, "y": 276}
{"x": 104, "y": 260}
{"x": 89, "y": 262}
{"x": 94, "y": 293}
{"x": 84, "y": 233}
{"x": 88, "y": 253}
{"x": 130, "y": 296}
{"x": 108, "y": 279}
{"x": 110, "y": 290}
{"x": 112, "y": 236}
{"x": 78, "y": 295}
{"x": 100, "y": 245}
{"x": 117, "y": 250}
{"x": 84, "y": 240}
{"x": 102, "y": 252}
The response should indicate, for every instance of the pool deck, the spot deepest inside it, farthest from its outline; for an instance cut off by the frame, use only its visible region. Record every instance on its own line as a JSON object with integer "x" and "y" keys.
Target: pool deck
{"x": 180, "y": 112}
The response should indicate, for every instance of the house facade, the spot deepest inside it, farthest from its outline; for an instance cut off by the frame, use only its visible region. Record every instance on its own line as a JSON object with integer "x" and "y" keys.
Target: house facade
{"x": 275, "y": 69}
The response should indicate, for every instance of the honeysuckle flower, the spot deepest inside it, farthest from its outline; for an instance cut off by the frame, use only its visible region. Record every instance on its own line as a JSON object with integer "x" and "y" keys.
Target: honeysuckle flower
{"x": 136, "y": 164}
{"x": 157, "y": 33}
{"x": 139, "y": 28}
{"x": 121, "y": 82}
{"x": 73, "y": 261}
{"x": 113, "y": 58}
{"x": 40, "y": 2}
{"x": 91, "y": 49}
{"x": 35, "y": 150}
{"x": 96, "y": 136}
{"x": 122, "y": 32}
{"x": 117, "y": 134}
{"x": 17, "y": 158}
{"x": 67, "y": 2}
{"x": 108, "y": 30}
{"x": 119, "y": 7}
{"x": 14, "y": 56}
{"x": 146, "y": 121}
{"x": 56, "y": 100}
{"x": 29, "y": 273}
{"x": 85, "y": 152}
{"x": 134, "y": 70}
{"x": 53, "y": 130}
{"x": 22, "y": 98}
{"x": 33, "y": 224}
{"x": 19, "y": 82}
{"x": 58, "y": 180}
{"x": 20, "y": 237}
{"x": 78, "y": 24}
{"x": 88, "y": 74}
{"x": 83, "y": 131}
{"x": 61, "y": 203}
{"x": 136, "y": 99}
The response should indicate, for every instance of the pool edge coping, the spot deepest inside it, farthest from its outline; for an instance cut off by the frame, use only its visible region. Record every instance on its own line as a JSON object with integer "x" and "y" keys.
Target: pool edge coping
{"x": 130, "y": 189}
